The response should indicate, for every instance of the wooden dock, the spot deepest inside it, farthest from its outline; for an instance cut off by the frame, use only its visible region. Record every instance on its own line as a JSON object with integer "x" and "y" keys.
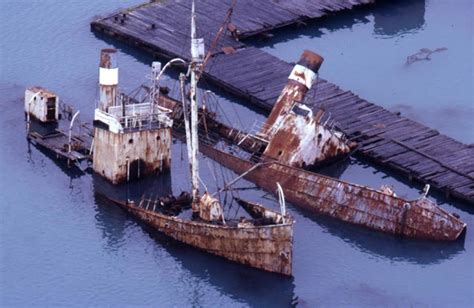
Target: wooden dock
{"x": 406, "y": 146}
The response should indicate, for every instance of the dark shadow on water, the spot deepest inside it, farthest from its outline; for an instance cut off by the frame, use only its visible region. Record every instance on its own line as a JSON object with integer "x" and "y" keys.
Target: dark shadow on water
{"x": 335, "y": 169}
{"x": 394, "y": 18}
{"x": 155, "y": 185}
{"x": 43, "y": 128}
{"x": 235, "y": 280}
{"x": 255, "y": 287}
{"x": 391, "y": 18}
{"x": 387, "y": 246}
{"x": 111, "y": 219}
{"x": 70, "y": 171}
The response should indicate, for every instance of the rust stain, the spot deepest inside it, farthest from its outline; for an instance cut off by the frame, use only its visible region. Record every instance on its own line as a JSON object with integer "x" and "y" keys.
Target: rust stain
{"x": 228, "y": 50}
{"x": 379, "y": 210}
{"x": 295, "y": 135}
{"x": 131, "y": 155}
{"x": 301, "y": 75}
{"x": 132, "y": 139}
{"x": 375, "y": 209}
{"x": 105, "y": 57}
{"x": 264, "y": 242}
{"x": 311, "y": 60}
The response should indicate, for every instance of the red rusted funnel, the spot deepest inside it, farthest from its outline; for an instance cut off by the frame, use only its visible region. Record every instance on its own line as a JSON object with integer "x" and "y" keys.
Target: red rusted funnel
{"x": 311, "y": 60}
{"x": 108, "y": 78}
{"x": 300, "y": 81}
{"x": 306, "y": 69}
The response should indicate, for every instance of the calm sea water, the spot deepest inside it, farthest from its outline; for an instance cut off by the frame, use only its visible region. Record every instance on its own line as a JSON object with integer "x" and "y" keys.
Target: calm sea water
{"x": 61, "y": 245}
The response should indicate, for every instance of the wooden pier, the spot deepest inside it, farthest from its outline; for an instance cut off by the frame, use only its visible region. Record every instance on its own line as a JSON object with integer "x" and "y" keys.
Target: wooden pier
{"x": 406, "y": 146}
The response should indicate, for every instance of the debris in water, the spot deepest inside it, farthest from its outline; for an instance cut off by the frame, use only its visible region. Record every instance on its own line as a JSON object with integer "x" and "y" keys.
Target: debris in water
{"x": 423, "y": 54}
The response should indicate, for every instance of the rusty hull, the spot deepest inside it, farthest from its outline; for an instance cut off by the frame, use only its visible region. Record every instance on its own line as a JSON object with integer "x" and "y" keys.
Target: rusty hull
{"x": 131, "y": 139}
{"x": 308, "y": 154}
{"x": 264, "y": 247}
{"x": 296, "y": 136}
{"x": 131, "y": 155}
{"x": 296, "y": 88}
{"x": 352, "y": 203}
{"x": 304, "y": 142}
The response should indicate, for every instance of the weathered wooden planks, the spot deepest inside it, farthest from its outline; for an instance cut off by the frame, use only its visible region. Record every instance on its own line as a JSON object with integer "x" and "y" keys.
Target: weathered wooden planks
{"x": 406, "y": 146}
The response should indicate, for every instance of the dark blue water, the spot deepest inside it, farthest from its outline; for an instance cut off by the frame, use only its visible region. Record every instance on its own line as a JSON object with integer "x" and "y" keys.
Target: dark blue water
{"x": 62, "y": 245}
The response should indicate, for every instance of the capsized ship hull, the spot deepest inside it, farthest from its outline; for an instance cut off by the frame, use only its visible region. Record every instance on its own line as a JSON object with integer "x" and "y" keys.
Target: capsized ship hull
{"x": 352, "y": 203}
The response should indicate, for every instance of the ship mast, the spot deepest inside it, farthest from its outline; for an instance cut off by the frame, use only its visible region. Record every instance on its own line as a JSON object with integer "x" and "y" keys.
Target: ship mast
{"x": 197, "y": 54}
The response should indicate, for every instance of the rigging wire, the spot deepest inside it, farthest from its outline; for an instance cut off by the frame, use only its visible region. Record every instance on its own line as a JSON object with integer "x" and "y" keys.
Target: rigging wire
{"x": 215, "y": 178}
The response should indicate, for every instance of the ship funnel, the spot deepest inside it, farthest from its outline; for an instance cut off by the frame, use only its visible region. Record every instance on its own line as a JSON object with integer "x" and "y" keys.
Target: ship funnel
{"x": 306, "y": 69}
{"x": 299, "y": 82}
{"x": 108, "y": 78}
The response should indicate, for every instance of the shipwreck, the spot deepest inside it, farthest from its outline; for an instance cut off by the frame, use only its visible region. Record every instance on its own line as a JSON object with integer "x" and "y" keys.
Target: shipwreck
{"x": 132, "y": 138}
{"x": 294, "y": 139}
{"x": 50, "y": 126}
{"x": 261, "y": 240}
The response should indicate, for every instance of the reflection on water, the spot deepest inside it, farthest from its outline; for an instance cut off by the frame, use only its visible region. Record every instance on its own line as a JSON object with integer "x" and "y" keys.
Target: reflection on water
{"x": 111, "y": 219}
{"x": 391, "y": 247}
{"x": 391, "y": 18}
{"x": 155, "y": 185}
{"x": 397, "y": 17}
{"x": 236, "y": 280}
{"x": 70, "y": 171}
{"x": 112, "y": 222}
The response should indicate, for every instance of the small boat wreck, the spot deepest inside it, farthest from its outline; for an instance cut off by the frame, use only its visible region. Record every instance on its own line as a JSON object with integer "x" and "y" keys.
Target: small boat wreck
{"x": 50, "y": 126}
{"x": 292, "y": 141}
{"x": 263, "y": 240}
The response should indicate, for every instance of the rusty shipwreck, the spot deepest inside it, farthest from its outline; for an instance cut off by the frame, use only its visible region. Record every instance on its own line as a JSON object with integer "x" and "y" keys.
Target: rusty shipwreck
{"x": 53, "y": 126}
{"x": 297, "y": 137}
{"x": 262, "y": 240}
{"x": 132, "y": 138}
